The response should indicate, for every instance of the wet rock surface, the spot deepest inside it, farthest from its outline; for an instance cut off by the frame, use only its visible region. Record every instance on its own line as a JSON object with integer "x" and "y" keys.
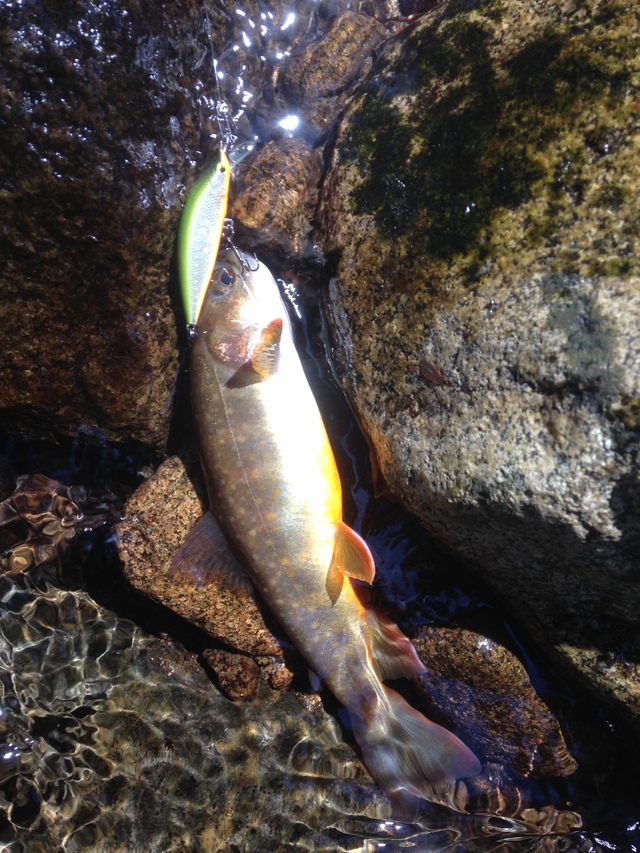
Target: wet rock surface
{"x": 104, "y": 113}
{"x": 277, "y": 189}
{"x": 277, "y": 195}
{"x": 319, "y": 77}
{"x": 238, "y": 675}
{"x": 482, "y": 212}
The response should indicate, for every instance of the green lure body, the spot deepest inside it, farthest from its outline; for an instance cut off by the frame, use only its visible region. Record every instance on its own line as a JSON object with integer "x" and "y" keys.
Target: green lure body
{"x": 200, "y": 232}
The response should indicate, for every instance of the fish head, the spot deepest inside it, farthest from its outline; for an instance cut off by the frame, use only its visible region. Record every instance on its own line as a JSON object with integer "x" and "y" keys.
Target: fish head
{"x": 243, "y": 314}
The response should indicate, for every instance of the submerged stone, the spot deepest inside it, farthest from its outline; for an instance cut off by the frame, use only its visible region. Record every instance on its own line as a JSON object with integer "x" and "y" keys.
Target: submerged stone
{"x": 238, "y": 675}
{"x": 41, "y": 519}
{"x": 494, "y": 698}
{"x": 115, "y": 740}
{"x": 482, "y": 210}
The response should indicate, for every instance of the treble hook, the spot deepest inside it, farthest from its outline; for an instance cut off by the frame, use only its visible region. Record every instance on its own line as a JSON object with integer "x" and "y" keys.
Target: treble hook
{"x": 244, "y": 260}
{"x": 227, "y": 234}
{"x": 248, "y": 263}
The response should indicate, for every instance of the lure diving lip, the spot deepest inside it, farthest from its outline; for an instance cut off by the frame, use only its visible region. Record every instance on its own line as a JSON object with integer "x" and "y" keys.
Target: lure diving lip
{"x": 200, "y": 233}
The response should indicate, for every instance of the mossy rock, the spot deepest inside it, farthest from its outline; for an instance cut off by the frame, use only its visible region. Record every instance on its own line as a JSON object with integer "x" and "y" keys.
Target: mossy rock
{"x": 481, "y": 212}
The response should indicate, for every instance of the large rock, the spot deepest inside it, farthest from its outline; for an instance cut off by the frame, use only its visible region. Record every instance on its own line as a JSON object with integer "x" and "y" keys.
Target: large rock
{"x": 157, "y": 519}
{"x": 277, "y": 194}
{"x": 482, "y": 206}
{"x": 102, "y": 114}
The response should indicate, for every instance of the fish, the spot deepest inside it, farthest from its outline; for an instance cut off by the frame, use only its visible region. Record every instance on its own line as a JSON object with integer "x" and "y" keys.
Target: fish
{"x": 275, "y": 491}
{"x": 200, "y": 232}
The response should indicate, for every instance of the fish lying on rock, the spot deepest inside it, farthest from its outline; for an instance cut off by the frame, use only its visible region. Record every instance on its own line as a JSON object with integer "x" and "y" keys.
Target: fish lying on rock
{"x": 276, "y": 495}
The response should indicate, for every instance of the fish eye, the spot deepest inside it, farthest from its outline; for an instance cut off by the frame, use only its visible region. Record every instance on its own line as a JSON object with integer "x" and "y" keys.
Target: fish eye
{"x": 223, "y": 279}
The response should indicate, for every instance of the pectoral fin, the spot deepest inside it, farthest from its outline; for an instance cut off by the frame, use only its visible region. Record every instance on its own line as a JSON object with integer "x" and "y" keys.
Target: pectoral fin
{"x": 264, "y": 358}
{"x": 205, "y": 555}
{"x": 266, "y": 352}
{"x": 351, "y": 555}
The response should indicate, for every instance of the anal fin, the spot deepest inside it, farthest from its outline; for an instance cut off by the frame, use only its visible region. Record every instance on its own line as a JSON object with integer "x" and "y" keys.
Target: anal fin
{"x": 393, "y": 653}
{"x": 205, "y": 555}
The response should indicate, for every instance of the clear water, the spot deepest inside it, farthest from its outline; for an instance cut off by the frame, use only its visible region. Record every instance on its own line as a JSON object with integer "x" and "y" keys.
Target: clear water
{"x": 115, "y": 740}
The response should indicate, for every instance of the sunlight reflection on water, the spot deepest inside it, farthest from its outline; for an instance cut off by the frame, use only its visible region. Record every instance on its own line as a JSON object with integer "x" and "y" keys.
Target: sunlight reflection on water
{"x": 112, "y": 739}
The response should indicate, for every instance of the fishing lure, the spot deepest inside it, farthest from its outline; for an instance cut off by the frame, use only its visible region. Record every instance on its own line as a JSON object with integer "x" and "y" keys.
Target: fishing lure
{"x": 201, "y": 226}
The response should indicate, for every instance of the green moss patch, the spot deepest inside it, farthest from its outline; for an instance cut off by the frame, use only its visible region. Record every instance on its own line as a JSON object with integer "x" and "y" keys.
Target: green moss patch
{"x": 482, "y": 136}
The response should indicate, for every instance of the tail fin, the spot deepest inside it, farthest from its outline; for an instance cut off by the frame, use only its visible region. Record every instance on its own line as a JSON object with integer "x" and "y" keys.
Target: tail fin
{"x": 408, "y": 755}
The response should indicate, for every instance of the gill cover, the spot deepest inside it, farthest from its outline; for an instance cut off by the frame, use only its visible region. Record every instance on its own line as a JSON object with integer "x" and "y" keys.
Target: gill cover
{"x": 200, "y": 232}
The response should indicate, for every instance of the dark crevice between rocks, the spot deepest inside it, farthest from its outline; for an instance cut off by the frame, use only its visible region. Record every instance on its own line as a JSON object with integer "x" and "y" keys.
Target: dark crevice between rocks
{"x": 84, "y": 459}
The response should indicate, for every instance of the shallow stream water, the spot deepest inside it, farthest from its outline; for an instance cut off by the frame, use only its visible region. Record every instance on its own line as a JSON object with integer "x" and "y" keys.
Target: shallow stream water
{"x": 113, "y": 736}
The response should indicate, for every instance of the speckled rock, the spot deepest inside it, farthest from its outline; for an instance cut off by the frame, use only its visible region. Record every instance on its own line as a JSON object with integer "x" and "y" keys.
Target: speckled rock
{"x": 277, "y": 190}
{"x": 238, "y": 675}
{"x": 482, "y": 205}
{"x": 319, "y": 76}
{"x": 277, "y": 195}
{"x": 157, "y": 519}
{"x": 102, "y": 111}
